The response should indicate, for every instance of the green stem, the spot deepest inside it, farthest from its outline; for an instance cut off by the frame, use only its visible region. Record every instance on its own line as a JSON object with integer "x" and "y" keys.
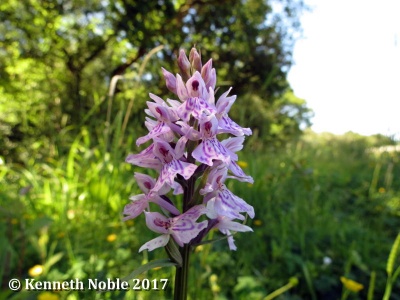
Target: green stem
{"x": 292, "y": 283}
{"x": 388, "y": 289}
{"x": 182, "y": 274}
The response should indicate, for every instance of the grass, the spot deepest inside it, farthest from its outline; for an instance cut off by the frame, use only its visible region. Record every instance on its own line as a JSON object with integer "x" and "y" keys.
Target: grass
{"x": 325, "y": 208}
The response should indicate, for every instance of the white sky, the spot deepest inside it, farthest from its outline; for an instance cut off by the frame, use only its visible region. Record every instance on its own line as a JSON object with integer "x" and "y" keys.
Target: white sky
{"x": 347, "y": 66}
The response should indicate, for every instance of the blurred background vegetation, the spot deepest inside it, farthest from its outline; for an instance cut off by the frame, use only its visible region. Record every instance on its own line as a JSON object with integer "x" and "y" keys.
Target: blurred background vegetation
{"x": 74, "y": 80}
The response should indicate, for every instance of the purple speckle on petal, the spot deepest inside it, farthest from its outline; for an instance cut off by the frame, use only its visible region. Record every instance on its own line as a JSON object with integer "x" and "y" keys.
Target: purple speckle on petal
{"x": 159, "y": 111}
{"x": 161, "y": 223}
{"x": 195, "y": 85}
{"x": 164, "y": 152}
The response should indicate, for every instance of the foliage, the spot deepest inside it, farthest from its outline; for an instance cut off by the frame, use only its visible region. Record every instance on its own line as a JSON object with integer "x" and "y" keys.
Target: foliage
{"x": 323, "y": 211}
{"x": 59, "y": 57}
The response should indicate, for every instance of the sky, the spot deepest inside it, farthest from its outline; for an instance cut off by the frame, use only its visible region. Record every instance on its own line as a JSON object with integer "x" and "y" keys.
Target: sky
{"x": 347, "y": 66}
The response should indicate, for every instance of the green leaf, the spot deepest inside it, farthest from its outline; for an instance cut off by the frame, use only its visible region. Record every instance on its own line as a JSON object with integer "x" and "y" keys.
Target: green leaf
{"x": 173, "y": 252}
{"x": 53, "y": 260}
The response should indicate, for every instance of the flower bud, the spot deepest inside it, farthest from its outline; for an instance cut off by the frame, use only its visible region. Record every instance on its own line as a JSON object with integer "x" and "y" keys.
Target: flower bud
{"x": 184, "y": 65}
{"x": 170, "y": 80}
{"x": 208, "y": 74}
{"x": 206, "y": 70}
{"x": 195, "y": 59}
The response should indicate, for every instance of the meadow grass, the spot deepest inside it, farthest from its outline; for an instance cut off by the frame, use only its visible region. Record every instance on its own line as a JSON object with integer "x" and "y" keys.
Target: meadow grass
{"x": 325, "y": 208}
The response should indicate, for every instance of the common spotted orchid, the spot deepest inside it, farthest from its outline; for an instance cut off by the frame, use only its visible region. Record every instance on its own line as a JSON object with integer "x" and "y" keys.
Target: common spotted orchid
{"x": 191, "y": 160}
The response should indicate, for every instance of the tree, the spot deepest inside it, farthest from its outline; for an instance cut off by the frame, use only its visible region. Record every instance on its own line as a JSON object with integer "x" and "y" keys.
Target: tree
{"x": 59, "y": 55}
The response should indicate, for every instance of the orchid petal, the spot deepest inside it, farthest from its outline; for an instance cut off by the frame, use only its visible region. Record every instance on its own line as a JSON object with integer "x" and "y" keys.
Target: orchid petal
{"x": 158, "y": 130}
{"x": 171, "y": 169}
{"x": 182, "y": 168}
{"x": 165, "y": 204}
{"x": 211, "y": 97}
{"x": 206, "y": 71}
{"x": 226, "y": 125}
{"x": 183, "y": 63}
{"x": 231, "y": 202}
{"x": 178, "y": 190}
{"x": 195, "y": 106}
{"x": 136, "y": 207}
{"x": 180, "y": 147}
{"x": 158, "y": 242}
{"x": 195, "y": 59}
{"x": 181, "y": 89}
{"x": 213, "y": 79}
{"x": 170, "y": 80}
{"x": 163, "y": 151}
{"x": 239, "y": 174}
{"x": 145, "y": 159}
{"x": 210, "y": 149}
{"x": 157, "y": 222}
{"x": 185, "y": 230}
{"x": 145, "y": 182}
{"x": 157, "y": 99}
{"x": 196, "y": 87}
{"x": 193, "y": 213}
{"x": 224, "y": 102}
{"x": 234, "y": 144}
{"x": 226, "y": 224}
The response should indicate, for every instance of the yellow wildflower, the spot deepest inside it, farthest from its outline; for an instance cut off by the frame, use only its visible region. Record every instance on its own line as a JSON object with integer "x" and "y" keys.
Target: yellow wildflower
{"x": 351, "y": 284}
{"x": 35, "y": 270}
{"x": 213, "y": 278}
{"x": 215, "y": 288}
{"x": 199, "y": 248}
{"x": 111, "y": 237}
{"x": 381, "y": 190}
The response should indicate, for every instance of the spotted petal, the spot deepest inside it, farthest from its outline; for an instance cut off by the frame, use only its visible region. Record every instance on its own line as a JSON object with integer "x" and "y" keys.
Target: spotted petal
{"x": 233, "y": 144}
{"x": 136, "y": 207}
{"x": 210, "y": 149}
{"x": 159, "y": 129}
{"x": 196, "y": 86}
{"x": 146, "y": 183}
{"x": 185, "y": 230}
{"x": 238, "y": 173}
{"x": 157, "y": 222}
{"x": 226, "y": 125}
{"x": 145, "y": 159}
{"x": 171, "y": 169}
{"x": 158, "y": 242}
{"x": 198, "y": 107}
{"x": 230, "y": 205}
{"x": 224, "y": 103}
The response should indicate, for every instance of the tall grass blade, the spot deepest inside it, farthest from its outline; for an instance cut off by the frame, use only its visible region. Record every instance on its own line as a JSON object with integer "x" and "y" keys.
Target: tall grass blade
{"x": 392, "y": 256}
